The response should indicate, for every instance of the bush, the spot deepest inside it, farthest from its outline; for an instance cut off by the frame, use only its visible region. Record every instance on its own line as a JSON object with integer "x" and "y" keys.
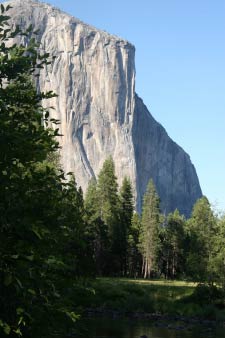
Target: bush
{"x": 208, "y": 294}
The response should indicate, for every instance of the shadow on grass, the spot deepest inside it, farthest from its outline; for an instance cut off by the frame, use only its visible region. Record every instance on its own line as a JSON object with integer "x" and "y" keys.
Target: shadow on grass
{"x": 162, "y": 297}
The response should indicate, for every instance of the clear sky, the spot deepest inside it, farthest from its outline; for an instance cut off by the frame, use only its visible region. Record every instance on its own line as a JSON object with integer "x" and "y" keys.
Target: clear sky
{"x": 180, "y": 71}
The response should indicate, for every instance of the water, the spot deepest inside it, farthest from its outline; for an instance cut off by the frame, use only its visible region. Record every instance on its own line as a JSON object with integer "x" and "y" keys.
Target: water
{"x": 131, "y": 328}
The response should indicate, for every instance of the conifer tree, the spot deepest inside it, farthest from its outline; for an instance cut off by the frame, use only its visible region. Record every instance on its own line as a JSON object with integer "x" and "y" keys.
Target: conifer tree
{"x": 172, "y": 235}
{"x": 149, "y": 235}
{"x": 126, "y": 201}
{"x": 91, "y": 204}
{"x": 202, "y": 229}
{"x": 107, "y": 195}
{"x": 134, "y": 256}
{"x": 108, "y": 208}
{"x": 97, "y": 235}
{"x": 217, "y": 260}
{"x": 126, "y": 208}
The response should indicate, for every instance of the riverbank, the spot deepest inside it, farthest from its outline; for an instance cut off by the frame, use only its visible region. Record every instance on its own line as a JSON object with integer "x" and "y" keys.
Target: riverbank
{"x": 95, "y": 327}
{"x": 143, "y": 298}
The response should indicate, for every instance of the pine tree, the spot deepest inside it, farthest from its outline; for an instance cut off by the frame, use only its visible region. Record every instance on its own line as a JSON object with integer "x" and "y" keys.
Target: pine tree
{"x": 107, "y": 195}
{"x": 149, "y": 236}
{"x": 91, "y": 202}
{"x": 134, "y": 256}
{"x": 173, "y": 237}
{"x": 97, "y": 235}
{"x": 202, "y": 230}
{"x": 126, "y": 209}
{"x": 108, "y": 215}
{"x": 217, "y": 259}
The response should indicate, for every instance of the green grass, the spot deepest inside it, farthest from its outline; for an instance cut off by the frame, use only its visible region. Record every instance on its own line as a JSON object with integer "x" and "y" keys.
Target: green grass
{"x": 138, "y": 295}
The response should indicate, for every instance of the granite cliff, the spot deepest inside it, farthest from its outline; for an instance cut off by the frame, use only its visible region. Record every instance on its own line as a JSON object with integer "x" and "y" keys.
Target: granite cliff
{"x": 93, "y": 74}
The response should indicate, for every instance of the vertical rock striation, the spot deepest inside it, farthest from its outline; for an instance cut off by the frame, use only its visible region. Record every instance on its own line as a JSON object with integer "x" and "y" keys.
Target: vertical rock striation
{"x": 93, "y": 74}
{"x": 160, "y": 158}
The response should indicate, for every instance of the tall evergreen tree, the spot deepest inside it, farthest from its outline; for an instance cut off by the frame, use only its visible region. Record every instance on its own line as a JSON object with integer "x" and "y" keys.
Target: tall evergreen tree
{"x": 149, "y": 235}
{"x": 126, "y": 209}
{"x": 202, "y": 230}
{"x": 126, "y": 200}
{"x": 134, "y": 256}
{"x": 107, "y": 194}
{"x": 97, "y": 234}
{"x": 108, "y": 208}
{"x": 172, "y": 237}
{"x": 217, "y": 260}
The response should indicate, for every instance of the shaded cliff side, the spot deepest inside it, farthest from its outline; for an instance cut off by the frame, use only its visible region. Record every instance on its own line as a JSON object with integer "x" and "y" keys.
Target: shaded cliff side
{"x": 160, "y": 158}
{"x": 93, "y": 74}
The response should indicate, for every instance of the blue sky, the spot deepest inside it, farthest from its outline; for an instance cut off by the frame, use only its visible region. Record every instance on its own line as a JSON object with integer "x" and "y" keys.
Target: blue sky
{"x": 180, "y": 71}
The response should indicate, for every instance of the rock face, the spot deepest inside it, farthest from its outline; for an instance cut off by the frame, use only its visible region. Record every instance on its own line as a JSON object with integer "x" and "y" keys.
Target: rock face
{"x": 93, "y": 74}
{"x": 159, "y": 157}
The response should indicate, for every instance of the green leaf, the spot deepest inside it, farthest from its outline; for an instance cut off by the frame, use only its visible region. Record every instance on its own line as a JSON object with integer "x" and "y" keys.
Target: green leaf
{"x": 18, "y": 331}
{"x": 73, "y": 316}
{"x": 19, "y": 283}
{"x": 19, "y": 310}
{"x": 20, "y": 320}
{"x": 8, "y": 279}
{"x": 32, "y": 292}
{"x": 6, "y": 328}
{"x": 30, "y": 258}
{"x": 36, "y": 231}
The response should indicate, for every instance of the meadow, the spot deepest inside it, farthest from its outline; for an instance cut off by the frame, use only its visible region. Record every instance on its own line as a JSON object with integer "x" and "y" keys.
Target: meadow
{"x": 138, "y": 296}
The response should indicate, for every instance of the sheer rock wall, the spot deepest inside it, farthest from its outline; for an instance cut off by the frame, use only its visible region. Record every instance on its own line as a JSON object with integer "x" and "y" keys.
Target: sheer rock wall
{"x": 93, "y": 74}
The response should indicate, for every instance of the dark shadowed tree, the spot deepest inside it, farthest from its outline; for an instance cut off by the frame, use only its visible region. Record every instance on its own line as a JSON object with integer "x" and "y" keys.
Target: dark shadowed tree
{"x": 134, "y": 256}
{"x": 108, "y": 214}
{"x": 126, "y": 209}
{"x": 172, "y": 235}
{"x": 97, "y": 234}
{"x": 40, "y": 212}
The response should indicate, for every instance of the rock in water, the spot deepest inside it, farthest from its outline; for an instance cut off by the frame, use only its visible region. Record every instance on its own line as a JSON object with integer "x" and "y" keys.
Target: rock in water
{"x": 93, "y": 74}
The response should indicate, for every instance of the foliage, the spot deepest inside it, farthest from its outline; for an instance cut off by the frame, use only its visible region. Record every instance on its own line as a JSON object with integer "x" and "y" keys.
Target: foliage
{"x": 172, "y": 237}
{"x": 41, "y": 227}
{"x": 209, "y": 294}
{"x": 216, "y": 264}
{"x": 134, "y": 256}
{"x": 126, "y": 209}
{"x": 107, "y": 194}
{"x": 149, "y": 239}
{"x": 169, "y": 246}
{"x": 102, "y": 215}
{"x": 50, "y": 237}
{"x": 96, "y": 231}
{"x": 202, "y": 230}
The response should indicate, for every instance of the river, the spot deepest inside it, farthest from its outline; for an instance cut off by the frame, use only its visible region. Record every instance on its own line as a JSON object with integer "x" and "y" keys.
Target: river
{"x": 131, "y": 328}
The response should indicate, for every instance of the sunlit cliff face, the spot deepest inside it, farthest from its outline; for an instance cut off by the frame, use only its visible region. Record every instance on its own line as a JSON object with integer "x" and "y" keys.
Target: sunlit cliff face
{"x": 93, "y": 74}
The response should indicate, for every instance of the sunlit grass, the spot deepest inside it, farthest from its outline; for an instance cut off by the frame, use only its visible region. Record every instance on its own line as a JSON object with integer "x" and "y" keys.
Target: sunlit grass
{"x": 150, "y": 282}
